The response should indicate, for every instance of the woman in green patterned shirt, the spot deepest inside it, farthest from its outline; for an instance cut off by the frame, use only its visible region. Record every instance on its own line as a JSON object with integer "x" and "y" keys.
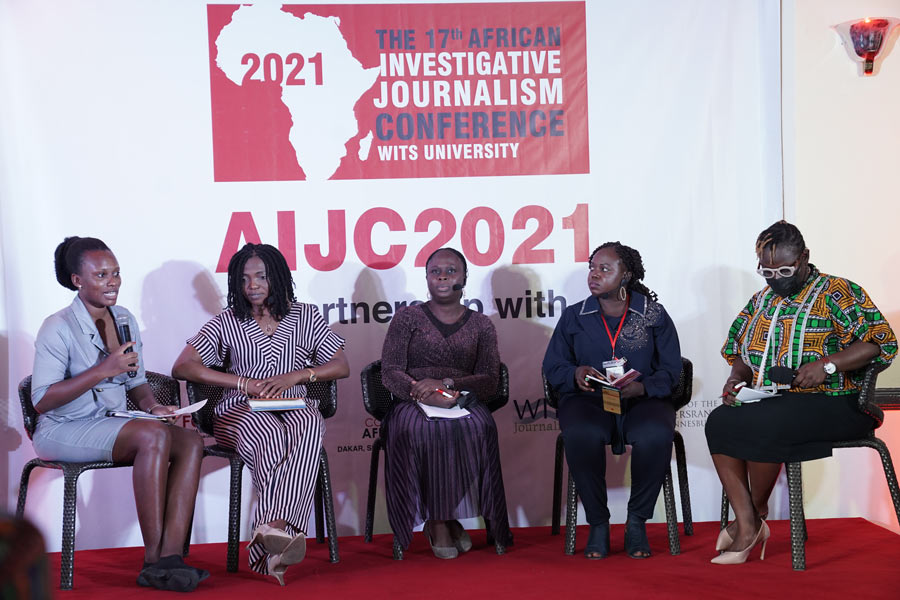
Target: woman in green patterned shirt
{"x": 820, "y": 332}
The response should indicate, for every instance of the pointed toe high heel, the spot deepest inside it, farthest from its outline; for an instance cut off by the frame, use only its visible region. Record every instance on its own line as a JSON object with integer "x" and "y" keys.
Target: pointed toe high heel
{"x": 461, "y": 538}
{"x": 272, "y": 539}
{"x": 439, "y": 551}
{"x": 723, "y": 541}
{"x": 740, "y": 556}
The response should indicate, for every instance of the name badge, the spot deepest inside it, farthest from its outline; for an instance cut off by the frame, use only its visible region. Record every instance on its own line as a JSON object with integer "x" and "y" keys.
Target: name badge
{"x": 615, "y": 368}
{"x": 612, "y": 400}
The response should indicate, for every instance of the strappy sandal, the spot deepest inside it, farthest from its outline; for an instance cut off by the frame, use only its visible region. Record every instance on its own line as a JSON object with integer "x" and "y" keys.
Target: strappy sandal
{"x": 598, "y": 542}
{"x": 636, "y": 543}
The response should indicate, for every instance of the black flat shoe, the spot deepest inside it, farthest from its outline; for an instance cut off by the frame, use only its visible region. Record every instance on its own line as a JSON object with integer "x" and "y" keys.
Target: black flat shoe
{"x": 636, "y": 539}
{"x": 170, "y": 573}
{"x": 598, "y": 542}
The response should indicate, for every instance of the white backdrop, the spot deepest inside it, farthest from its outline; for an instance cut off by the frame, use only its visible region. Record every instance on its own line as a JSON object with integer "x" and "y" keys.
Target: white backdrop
{"x": 105, "y": 131}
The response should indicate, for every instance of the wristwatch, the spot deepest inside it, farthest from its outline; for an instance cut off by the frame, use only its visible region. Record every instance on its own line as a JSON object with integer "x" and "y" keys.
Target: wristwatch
{"x": 830, "y": 368}
{"x": 312, "y": 375}
{"x": 448, "y": 383}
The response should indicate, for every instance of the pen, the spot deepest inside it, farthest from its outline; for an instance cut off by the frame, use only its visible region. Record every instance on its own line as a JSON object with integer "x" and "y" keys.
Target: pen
{"x": 734, "y": 390}
{"x": 443, "y": 393}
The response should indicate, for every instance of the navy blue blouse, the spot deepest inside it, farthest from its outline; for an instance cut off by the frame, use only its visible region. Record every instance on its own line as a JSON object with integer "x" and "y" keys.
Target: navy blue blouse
{"x": 648, "y": 341}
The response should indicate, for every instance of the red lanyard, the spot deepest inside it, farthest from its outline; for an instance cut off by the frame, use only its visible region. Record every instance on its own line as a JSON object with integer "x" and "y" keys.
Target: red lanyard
{"x": 612, "y": 340}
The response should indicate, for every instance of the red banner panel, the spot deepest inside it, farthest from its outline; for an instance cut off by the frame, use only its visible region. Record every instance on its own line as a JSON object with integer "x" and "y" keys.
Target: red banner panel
{"x": 375, "y": 91}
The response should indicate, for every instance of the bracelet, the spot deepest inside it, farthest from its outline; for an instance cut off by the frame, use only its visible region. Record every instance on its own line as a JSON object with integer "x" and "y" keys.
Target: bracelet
{"x": 312, "y": 375}
{"x": 240, "y": 383}
{"x": 150, "y": 410}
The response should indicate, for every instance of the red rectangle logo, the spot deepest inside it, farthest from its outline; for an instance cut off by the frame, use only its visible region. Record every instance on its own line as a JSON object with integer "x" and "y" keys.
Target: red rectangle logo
{"x": 376, "y": 91}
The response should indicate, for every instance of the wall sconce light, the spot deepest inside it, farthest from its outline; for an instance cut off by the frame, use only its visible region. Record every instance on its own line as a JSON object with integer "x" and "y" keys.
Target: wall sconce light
{"x": 865, "y": 38}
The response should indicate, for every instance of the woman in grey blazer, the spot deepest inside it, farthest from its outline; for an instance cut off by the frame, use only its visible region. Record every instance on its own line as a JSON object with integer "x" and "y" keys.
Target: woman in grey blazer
{"x": 81, "y": 371}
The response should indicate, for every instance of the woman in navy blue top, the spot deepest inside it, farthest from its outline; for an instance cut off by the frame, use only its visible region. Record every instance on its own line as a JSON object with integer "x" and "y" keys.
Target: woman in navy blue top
{"x": 620, "y": 320}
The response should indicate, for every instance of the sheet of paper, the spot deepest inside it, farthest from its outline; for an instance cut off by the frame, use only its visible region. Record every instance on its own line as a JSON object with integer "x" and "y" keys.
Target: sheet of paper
{"x": 191, "y": 408}
{"x": 435, "y": 412}
{"x": 746, "y": 395}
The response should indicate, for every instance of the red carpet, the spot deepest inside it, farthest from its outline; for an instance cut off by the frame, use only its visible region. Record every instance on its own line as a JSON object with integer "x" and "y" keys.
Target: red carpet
{"x": 845, "y": 558}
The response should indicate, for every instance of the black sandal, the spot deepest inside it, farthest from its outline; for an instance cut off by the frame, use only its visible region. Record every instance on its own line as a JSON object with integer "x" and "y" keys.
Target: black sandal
{"x": 636, "y": 539}
{"x": 598, "y": 542}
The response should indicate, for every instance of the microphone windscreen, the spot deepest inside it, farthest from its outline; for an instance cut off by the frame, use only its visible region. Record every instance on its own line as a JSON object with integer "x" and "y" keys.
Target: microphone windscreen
{"x": 783, "y": 375}
{"x": 124, "y": 328}
{"x": 457, "y": 287}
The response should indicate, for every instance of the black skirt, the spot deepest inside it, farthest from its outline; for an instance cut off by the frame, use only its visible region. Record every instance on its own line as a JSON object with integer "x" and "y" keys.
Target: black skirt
{"x": 788, "y": 428}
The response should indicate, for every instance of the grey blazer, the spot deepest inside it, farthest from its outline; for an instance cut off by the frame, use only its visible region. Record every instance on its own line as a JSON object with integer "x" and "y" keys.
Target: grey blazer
{"x": 68, "y": 344}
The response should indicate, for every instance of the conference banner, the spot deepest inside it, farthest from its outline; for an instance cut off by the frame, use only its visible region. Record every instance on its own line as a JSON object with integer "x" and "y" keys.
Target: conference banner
{"x": 376, "y": 91}
{"x": 357, "y": 138}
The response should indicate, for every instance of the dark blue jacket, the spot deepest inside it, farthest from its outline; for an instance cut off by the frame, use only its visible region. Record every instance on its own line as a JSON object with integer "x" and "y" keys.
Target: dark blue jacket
{"x": 648, "y": 340}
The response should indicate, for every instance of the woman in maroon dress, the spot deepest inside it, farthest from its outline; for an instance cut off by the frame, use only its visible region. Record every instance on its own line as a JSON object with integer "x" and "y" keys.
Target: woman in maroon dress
{"x": 441, "y": 470}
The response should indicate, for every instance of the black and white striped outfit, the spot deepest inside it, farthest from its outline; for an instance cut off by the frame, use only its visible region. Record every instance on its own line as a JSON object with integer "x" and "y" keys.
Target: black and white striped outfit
{"x": 280, "y": 448}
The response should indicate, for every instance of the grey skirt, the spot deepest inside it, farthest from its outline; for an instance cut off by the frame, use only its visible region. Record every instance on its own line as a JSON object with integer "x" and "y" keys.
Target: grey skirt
{"x": 83, "y": 440}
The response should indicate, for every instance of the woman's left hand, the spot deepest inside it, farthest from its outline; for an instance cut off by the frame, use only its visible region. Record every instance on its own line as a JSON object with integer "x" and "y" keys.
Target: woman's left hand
{"x": 633, "y": 390}
{"x": 162, "y": 409}
{"x": 272, "y": 387}
{"x": 809, "y": 375}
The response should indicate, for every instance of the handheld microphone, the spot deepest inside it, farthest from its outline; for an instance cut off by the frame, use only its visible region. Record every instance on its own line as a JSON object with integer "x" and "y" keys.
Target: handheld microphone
{"x": 457, "y": 286}
{"x": 124, "y": 330}
{"x": 783, "y": 375}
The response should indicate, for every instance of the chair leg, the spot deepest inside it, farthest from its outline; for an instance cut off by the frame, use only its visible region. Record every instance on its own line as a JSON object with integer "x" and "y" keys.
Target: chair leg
{"x": 70, "y": 499}
{"x": 798, "y": 521}
{"x": 187, "y": 538}
{"x": 723, "y": 520}
{"x": 373, "y": 488}
{"x": 318, "y": 504}
{"x": 23, "y": 486}
{"x": 557, "y": 486}
{"x": 571, "y": 516}
{"x": 889, "y": 474}
{"x": 234, "y": 514}
{"x": 671, "y": 514}
{"x": 684, "y": 489}
{"x": 325, "y": 480}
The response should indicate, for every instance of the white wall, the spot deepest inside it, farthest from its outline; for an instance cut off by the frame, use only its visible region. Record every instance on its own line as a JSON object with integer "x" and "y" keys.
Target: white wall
{"x": 842, "y": 172}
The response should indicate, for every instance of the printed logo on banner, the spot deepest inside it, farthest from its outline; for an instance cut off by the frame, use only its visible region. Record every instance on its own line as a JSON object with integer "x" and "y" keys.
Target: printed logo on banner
{"x": 316, "y": 92}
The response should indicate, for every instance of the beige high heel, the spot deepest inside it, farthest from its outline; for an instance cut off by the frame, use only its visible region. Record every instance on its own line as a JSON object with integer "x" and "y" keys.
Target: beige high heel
{"x": 723, "y": 541}
{"x": 462, "y": 541}
{"x": 439, "y": 551}
{"x": 272, "y": 539}
{"x": 739, "y": 557}
{"x": 295, "y": 551}
{"x": 276, "y": 568}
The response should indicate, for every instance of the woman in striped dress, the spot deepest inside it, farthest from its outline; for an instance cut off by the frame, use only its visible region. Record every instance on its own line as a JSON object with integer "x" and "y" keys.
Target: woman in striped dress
{"x": 438, "y": 471}
{"x": 271, "y": 346}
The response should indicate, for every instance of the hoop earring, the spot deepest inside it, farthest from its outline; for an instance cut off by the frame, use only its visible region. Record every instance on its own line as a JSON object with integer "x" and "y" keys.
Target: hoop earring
{"x": 428, "y": 295}
{"x": 622, "y": 294}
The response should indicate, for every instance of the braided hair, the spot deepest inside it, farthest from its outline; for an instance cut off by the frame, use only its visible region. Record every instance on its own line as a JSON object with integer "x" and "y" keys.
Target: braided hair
{"x": 631, "y": 259}
{"x": 458, "y": 255}
{"x": 68, "y": 256}
{"x": 278, "y": 275}
{"x": 779, "y": 234}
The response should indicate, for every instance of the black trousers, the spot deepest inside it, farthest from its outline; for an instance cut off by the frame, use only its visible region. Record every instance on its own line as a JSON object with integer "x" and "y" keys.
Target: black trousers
{"x": 587, "y": 429}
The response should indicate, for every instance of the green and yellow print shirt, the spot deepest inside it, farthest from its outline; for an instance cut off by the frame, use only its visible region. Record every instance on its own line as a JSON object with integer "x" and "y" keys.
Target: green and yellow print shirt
{"x": 833, "y": 311}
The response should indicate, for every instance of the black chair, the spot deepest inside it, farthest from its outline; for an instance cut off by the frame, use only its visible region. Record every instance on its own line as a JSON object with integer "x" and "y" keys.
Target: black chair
{"x": 795, "y": 475}
{"x": 681, "y": 395}
{"x": 378, "y": 402}
{"x": 326, "y": 393}
{"x": 165, "y": 390}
